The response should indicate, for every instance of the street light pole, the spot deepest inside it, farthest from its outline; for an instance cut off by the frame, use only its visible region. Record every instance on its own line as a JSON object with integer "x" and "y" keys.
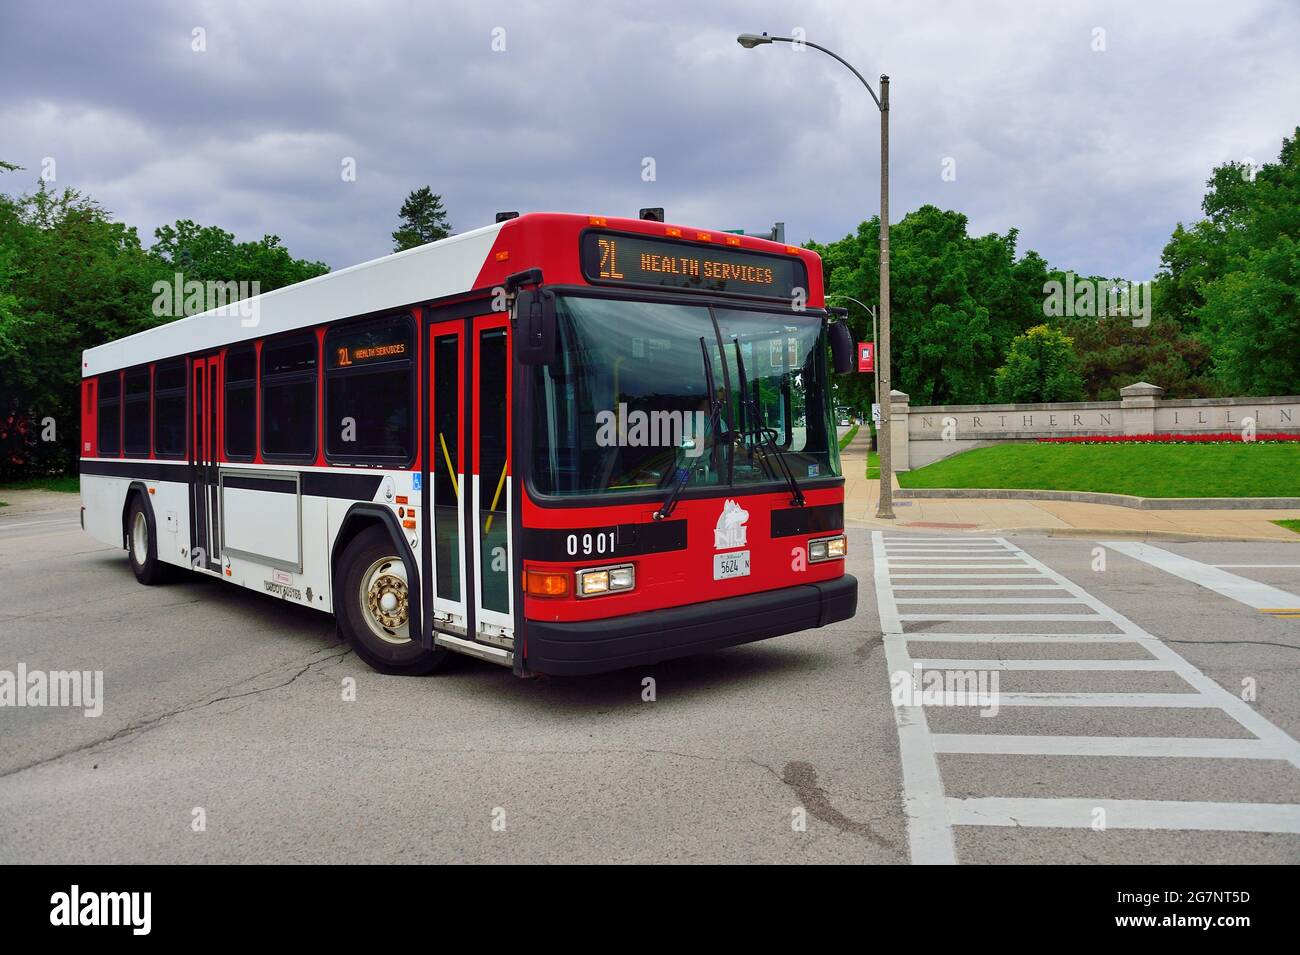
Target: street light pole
{"x": 885, "y": 509}
{"x": 884, "y": 387}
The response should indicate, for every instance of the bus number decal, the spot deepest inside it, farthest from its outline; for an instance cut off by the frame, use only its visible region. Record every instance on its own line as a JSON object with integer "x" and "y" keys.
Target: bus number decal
{"x": 602, "y": 542}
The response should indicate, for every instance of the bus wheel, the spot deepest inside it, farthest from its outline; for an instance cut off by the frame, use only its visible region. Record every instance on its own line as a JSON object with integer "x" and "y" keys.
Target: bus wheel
{"x": 142, "y": 546}
{"x": 372, "y": 605}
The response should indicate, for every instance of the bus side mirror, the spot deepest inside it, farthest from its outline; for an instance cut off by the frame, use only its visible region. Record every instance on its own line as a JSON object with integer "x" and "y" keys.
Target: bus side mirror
{"x": 535, "y": 327}
{"x": 842, "y": 348}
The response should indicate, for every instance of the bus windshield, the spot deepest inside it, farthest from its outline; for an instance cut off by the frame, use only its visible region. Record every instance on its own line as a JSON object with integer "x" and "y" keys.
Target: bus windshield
{"x": 642, "y": 392}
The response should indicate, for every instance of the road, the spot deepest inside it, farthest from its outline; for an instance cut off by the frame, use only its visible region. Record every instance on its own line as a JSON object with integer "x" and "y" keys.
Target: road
{"x": 226, "y": 734}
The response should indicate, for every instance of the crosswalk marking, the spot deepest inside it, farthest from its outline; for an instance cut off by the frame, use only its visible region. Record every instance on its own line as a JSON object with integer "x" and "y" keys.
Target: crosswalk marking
{"x": 932, "y": 814}
{"x": 1126, "y": 814}
{"x": 1241, "y": 589}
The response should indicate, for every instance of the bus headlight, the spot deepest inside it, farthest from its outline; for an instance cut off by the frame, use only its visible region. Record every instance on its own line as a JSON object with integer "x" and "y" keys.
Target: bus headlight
{"x": 596, "y": 581}
{"x": 827, "y": 548}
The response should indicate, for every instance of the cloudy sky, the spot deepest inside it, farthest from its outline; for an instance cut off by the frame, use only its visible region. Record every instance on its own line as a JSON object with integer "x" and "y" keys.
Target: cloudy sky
{"x": 1093, "y": 154}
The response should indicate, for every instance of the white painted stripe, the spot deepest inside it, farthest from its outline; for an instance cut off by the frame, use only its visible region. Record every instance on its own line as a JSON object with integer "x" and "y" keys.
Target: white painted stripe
{"x": 1178, "y": 701}
{"x": 929, "y": 834}
{"x": 965, "y": 560}
{"x": 956, "y": 567}
{"x": 1019, "y": 638}
{"x": 1144, "y": 746}
{"x": 978, "y": 587}
{"x": 978, "y": 617}
{"x": 965, "y": 576}
{"x": 926, "y": 540}
{"x": 5, "y": 526}
{"x": 986, "y": 600}
{"x": 1126, "y": 814}
{"x": 1145, "y": 666}
{"x": 1241, "y": 589}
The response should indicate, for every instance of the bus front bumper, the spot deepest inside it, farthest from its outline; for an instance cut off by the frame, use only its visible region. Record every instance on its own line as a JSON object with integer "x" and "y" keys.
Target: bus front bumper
{"x": 596, "y": 646}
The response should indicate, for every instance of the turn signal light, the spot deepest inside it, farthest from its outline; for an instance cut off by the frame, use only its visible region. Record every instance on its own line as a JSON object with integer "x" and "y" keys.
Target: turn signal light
{"x": 408, "y": 524}
{"x": 542, "y": 584}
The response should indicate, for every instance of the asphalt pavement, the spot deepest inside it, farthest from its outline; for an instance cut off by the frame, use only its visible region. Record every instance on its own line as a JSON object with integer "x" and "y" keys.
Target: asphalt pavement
{"x": 236, "y": 728}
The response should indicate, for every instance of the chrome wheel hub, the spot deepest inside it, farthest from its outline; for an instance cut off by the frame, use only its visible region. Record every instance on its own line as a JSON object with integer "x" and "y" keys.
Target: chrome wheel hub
{"x": 384, "y": 600}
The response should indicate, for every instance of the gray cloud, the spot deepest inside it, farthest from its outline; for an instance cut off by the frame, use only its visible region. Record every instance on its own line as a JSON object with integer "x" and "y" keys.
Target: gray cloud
{"x": 1092, "y": 155}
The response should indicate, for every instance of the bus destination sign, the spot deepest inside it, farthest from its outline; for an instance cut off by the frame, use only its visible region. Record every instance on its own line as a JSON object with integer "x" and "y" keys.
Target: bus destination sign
{"x": 619, "y": 259}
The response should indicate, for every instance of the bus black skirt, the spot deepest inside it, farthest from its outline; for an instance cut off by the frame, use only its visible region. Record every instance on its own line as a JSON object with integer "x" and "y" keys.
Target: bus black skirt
{"x": 597, "y": 646}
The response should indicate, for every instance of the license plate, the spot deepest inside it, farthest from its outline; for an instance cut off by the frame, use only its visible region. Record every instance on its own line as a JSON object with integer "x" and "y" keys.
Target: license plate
{"x": 734, "y": 564}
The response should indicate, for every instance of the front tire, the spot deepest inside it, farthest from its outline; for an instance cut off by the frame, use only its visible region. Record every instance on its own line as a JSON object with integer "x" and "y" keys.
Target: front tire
{"x": 372, "y": 606}
{"x": 142, "y": 546}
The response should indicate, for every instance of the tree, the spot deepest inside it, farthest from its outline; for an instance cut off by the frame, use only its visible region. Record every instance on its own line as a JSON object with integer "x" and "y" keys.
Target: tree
{"x": 1114, "y": 353}
{"x": 424, "y": 220}
{"x": 957, "y": 301}
{"x": 210, "y": 254}
{"x": 1234, "y": 277}
{"x": 72, "y": 278}
{"x": 1041, "y": 366}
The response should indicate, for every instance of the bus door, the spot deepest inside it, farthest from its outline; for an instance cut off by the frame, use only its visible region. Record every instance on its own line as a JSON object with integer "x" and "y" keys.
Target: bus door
{"x": 204, "y": 523}
{"x": 490, "y": 485}
{"x": 444, "y": 497}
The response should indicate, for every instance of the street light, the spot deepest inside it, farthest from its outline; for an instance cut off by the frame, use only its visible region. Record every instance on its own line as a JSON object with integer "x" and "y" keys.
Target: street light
{"x": 886, "y": 507}
{"x": 870, "y": 310}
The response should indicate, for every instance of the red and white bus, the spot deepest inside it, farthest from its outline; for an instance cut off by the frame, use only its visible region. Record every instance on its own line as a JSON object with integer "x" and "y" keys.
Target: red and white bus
{"x": 561, "y": 443}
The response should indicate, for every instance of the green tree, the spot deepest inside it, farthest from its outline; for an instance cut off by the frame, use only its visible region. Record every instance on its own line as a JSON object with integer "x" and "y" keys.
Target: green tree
{"x": 1234, "y": 277}
{"x": 1041, "y": 366}
{"x": 957, "y": 301}
{"x": 210, "y": 254}
{"x": 1113, "y": 353}
{"x": 424, "y": 220}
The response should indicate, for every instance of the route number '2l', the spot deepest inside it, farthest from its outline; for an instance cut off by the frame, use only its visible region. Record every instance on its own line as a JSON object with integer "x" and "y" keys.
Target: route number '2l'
{"x": 601, "y": 542}
{"x": 608, "y": 259}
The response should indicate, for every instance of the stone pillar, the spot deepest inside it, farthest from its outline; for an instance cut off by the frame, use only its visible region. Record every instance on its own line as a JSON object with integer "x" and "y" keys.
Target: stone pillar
{"x": 898, "y": 430}
{"x": 1138, "y": 407}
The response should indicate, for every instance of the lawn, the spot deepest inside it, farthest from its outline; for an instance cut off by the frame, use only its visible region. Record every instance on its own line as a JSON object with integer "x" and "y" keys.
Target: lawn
{"x": 1145, "y": 470}
{"x": 848, "y": 436}
{"x": 1289, "y": 525}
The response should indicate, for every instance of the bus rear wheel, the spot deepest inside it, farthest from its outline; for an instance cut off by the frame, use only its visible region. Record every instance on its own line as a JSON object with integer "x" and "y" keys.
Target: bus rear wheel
{"x": 142, "y": 546}
{"x": 372, "y": 605}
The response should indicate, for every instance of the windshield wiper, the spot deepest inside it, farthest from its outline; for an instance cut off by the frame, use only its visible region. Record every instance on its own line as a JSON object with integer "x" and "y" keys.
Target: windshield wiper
{"x": 715, "y": 413}
{"x": 760, "y": 430}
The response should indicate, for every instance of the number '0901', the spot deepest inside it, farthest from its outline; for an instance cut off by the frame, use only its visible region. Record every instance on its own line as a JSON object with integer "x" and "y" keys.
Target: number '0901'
{"x": 601, "y": 542}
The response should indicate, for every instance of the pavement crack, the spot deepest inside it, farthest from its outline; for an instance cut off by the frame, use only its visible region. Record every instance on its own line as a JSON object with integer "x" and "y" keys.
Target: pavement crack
{"x": 140, "y": 726}
{"x": 1234, "y": 643}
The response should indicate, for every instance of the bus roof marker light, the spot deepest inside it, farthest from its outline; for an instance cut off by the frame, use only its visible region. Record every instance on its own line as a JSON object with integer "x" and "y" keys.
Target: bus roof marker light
{"x": 596, "y": 220}
{"x": 673, "y": 231}
{"x": 503, "y": 255}
{"x": 792, "y": 249}
{"x": 733, "y": 240}
{"x": 704, "y": 236}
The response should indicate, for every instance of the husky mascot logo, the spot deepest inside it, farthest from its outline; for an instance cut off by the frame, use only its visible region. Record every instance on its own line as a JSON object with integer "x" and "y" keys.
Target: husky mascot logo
{"x": 730, "y": 531}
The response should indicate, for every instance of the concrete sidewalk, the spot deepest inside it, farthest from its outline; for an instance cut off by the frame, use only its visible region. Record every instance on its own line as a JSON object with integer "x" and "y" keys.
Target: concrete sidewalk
{"x": 1056, "y": 518}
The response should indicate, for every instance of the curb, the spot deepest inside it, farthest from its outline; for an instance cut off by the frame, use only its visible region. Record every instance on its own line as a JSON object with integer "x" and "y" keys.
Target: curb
{"x": 1095, "y": 497}
{"x": 1104, "y": 533}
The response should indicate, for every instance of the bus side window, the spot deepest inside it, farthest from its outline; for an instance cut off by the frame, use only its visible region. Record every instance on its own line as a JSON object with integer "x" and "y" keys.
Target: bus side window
{"x": 110, "y": 414}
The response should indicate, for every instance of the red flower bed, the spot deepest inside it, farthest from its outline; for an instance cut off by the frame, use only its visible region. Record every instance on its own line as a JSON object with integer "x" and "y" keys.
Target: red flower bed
{"x": 1222, "y": 437}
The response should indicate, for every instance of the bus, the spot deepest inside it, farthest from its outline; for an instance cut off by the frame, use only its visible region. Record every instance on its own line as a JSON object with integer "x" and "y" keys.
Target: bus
{"x": 562, "y": 443}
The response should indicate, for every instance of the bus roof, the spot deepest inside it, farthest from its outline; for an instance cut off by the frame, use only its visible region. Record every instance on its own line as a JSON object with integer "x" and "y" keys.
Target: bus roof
{"x": 452, "y": 266}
